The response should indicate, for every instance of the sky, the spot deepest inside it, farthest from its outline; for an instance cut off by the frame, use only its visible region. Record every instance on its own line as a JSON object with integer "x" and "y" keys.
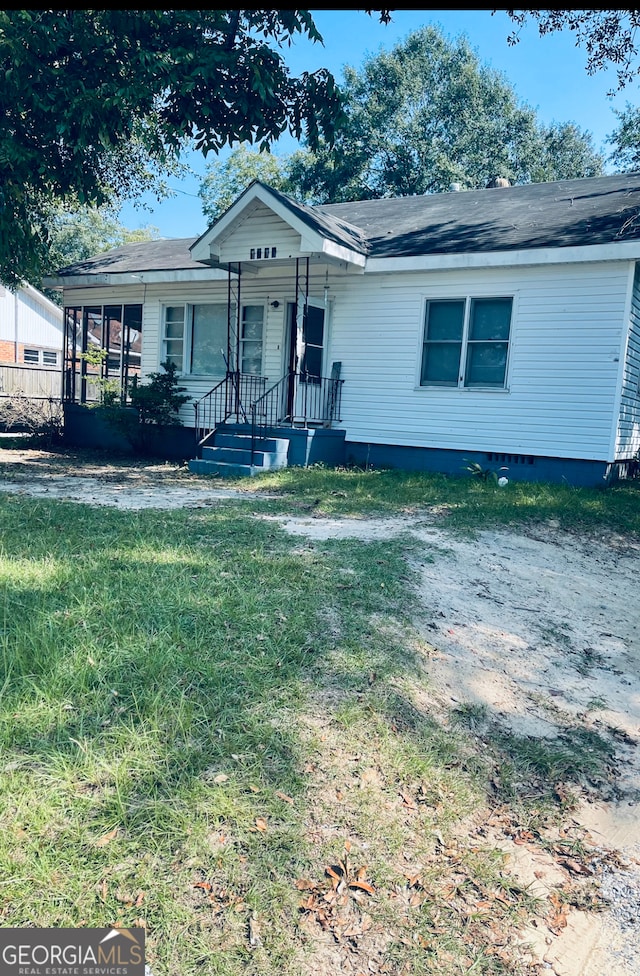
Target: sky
{"x": 547, "y": 73}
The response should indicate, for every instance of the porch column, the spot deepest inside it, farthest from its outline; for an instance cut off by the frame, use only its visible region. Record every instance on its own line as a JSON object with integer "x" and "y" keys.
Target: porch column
{"x": 302, "y": 300}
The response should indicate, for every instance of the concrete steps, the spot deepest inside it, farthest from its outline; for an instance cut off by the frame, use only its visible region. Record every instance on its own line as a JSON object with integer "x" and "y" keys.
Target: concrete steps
{"x": 230, "y": 456}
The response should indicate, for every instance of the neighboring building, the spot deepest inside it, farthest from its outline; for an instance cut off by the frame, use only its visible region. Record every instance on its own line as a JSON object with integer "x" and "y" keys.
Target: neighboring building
{"x": 31, "y": 333}
{"x": 500, "y": 326}
{"x": 30, "y": 328}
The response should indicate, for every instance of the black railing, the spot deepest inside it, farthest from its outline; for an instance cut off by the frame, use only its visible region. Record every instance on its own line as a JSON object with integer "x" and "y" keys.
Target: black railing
{"x": 298, "y": 399}
{"x": 231, "y": 397}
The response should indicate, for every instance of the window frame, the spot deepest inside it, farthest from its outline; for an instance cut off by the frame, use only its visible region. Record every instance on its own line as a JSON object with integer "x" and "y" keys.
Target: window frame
{"x": 187, "y": 336}
{"x": 243, "y": 340}
{"x": 466, "y": 343}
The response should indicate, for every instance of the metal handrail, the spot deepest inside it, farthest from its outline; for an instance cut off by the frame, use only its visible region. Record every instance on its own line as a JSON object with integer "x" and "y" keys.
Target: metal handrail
{"x": 315, "y": 399}
{"x": 266, "y": 407}
{"x": 232, "y": 396}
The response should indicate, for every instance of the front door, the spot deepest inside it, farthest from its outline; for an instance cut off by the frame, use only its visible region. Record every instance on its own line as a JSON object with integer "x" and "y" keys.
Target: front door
{"x": 304, "y": 360}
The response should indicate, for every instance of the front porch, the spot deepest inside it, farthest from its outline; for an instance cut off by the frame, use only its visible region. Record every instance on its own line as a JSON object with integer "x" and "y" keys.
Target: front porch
{"x": 244, "y": 426}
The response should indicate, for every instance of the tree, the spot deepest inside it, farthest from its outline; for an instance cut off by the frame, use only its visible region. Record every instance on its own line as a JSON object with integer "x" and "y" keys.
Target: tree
{"x": 79, "y": 234}
{"x": 96, "y": 104}
{"x": 609, "y": 36}
{"x": 224, "y": 180}
{"x": 626, "y": 140}
{"x": 427, "y": 114}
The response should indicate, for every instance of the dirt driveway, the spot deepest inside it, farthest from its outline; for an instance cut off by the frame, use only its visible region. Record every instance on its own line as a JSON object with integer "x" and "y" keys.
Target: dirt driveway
{"x": 538, "y": 630}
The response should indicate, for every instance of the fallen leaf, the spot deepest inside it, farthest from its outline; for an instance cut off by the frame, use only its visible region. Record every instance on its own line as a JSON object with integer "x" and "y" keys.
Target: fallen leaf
{"x": 363, "y": 885}
{"x": 408, "y": 802}
{"x": 220, "y": 778}
{"x": 283, "y": 796}
{"x": 261, "y": 824}
{"x": 575, "y": 866}
{"x": 302, "y": 884}
{"x": 107, "y": 838}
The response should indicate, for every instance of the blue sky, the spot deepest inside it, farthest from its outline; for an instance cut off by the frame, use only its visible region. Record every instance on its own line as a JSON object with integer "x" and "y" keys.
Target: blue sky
{"x": 548, "y": 73}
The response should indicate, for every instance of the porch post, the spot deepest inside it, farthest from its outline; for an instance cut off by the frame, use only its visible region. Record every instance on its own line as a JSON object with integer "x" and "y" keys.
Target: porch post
{"x": 234, "y": 313}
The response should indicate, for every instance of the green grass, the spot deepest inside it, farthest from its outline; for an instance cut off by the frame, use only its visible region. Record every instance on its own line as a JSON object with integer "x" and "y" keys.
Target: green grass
{"x": 462, "y": 502}
{"x": 197, "y": 711}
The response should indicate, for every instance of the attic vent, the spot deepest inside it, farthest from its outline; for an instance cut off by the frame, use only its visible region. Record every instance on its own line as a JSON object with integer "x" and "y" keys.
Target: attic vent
{"x": 257, "y": 253}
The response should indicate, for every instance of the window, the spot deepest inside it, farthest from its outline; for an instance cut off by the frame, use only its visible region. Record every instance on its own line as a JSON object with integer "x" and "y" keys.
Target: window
{"x": 49, "y": 358}
{"x": 466, "y": 342}
{"x": 195, "y": 338}
{"x": 31, "y": 356}
{"x": 174, "y": 334}
{"x": 251, "y": 339}
{"x": 313, "y": 337}
{"x": 209, "y": 339}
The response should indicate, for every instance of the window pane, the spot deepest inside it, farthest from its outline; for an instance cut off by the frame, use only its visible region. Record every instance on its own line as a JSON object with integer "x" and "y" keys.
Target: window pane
{"x": 490, "y": 318}
{"x": 444, "y": 320}
{"x": 174, "y": 330}
{"x": 31, "y": 356}
{"x": 486, "y": 364}
{"x": 50, "y": 358}
{"x": 252, "y": 330}
{"x": 252, "y": 313}
{"x": 209, "y": 339}
{"x": 252, "y": 358}
{"x": 312, "y": 362}
{"x": 174, "y": 313}
{"x": 441, "y": 363}
{"x": 314, "y": 326}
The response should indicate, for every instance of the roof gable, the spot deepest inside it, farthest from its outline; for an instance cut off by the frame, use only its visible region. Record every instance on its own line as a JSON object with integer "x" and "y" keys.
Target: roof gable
{"x": 312, "y": 231}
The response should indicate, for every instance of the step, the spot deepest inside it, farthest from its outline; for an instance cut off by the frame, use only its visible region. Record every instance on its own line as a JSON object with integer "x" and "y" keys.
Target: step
{"x": 222, "y": 469}
{"x": 279, "y": 445}
{"x": 267, "y": 460}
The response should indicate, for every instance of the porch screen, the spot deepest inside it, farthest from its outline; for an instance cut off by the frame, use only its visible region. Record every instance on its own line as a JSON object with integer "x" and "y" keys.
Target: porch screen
{"x": 209, "y": 339}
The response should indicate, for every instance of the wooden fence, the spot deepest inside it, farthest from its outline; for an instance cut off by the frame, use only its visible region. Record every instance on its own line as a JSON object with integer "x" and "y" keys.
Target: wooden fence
{"x": 36, "y": 382}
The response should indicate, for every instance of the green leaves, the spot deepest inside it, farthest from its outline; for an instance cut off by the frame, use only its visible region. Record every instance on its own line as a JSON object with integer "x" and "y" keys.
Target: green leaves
{"x": 84, "y": 86}
{"x": 428, "y": 113}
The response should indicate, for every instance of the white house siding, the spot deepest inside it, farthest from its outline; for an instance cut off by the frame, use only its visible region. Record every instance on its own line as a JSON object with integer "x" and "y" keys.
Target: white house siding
{"x": 265, "y": 288}
{"x": 29, "y": 320}
{"x": 259, "y": 228}
{"x": 628, "y": 434}
{"x": 566, "y": 336}
{"x": 565, "y": 341}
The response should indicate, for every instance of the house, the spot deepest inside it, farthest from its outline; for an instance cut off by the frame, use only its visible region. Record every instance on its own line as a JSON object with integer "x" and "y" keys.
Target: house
{"x": 31, "y": 331}
{"x": 500, "y": 326}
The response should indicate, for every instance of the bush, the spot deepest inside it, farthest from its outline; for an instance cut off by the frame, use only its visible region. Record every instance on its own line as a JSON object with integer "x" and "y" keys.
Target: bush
{"x": 42, "y": 419}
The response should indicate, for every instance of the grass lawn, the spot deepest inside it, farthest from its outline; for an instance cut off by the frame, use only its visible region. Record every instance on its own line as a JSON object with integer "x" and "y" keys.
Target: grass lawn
{"x": 205, "y": 730}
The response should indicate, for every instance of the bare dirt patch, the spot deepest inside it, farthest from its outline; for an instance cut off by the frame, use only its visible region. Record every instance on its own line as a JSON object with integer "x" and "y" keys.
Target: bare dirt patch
{"x": 95, "y": 479}
{"x": 535, "y": 631}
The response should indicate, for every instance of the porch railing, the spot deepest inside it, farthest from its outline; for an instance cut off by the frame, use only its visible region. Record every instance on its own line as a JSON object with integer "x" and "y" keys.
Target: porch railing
{"x": 298, "y": 399}
{"x": 231, "y": 397}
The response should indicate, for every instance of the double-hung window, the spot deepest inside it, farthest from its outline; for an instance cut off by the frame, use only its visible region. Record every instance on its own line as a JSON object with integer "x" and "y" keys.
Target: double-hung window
{"x": 195, "y": 338}
{"x": 466, "y": 342}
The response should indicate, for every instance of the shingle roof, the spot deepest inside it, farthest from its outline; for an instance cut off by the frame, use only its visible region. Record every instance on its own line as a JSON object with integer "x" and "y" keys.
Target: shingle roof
{"x": 166, "y": 255}
{"x": 600, "y": 210}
